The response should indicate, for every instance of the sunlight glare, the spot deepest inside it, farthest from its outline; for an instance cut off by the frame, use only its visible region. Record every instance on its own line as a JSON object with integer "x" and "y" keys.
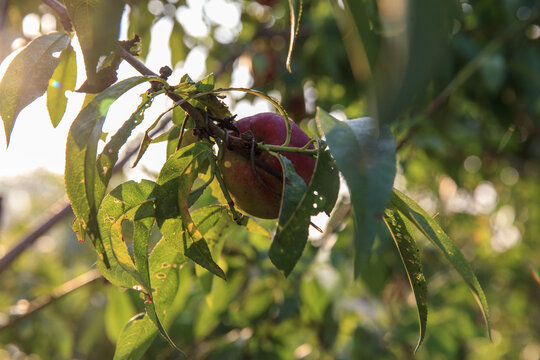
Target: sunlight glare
{"x": 48, "y": 23}
{"x": 30, "y": 25}
{"x": 192, "y": 21}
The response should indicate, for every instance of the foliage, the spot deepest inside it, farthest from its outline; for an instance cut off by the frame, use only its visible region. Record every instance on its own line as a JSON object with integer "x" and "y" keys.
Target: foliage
{"x": 442, "y": 79}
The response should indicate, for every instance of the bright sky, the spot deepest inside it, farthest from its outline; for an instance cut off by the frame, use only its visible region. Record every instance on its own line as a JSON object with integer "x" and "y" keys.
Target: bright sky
{"x": 36, "y": 144}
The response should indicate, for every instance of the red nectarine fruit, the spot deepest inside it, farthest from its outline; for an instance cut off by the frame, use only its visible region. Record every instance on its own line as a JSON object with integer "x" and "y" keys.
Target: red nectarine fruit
{"x": 260, "y": 195}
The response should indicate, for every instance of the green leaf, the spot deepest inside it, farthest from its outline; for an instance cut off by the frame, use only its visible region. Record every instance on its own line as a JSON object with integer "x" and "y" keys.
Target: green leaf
{"x": 63, "y": 79}
{"x": 356, "y": 23}
{"x": 147, "y": 140}
{"x": 97, "y": 24}
{"x": 357, "y": 18}
{"x": 85, "y": 183}
{"x": 299, "y": 203}
{"x": 365, "y": 154}
{"x": 315, "y": 298}
{"x": 28, "y": 75}
{"x": 119, "y": 309}
{"x": 172, "y": 140}
{"x": 164, "y": 265}
{"x": 405, "y": 72}
{"x": 206, "y": 84}
{"x": 130, "y": 203}
{"x": 134, "y": 203}
{"x": 152, "y": 314}
{"x": 172, "y": 203}
{"x": 135, "y": 338}
{"x": 431, "y": 229}
{"x": 203, "y": 95}
{"x": 109, "y": 156}
{"x": 211, "y": 311}
{"x": 402, "y": 234}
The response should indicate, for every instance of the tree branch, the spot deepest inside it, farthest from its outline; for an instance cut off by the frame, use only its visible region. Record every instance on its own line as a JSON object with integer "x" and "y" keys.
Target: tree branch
{"x": 59, "y": 211}
{"x": 18, "y": 313}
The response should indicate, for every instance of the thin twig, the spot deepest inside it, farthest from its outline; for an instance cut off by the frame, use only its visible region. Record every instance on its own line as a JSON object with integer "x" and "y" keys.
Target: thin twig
{"x": 18, "y": 313}
{"x": 59, "y": 211}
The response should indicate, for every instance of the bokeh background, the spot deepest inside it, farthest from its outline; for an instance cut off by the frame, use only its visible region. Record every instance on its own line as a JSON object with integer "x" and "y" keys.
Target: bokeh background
{"x": 468, "y": 152}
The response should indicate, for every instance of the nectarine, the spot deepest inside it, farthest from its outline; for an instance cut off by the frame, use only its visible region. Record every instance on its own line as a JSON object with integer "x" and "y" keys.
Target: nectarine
{"x": 260, "y": 195}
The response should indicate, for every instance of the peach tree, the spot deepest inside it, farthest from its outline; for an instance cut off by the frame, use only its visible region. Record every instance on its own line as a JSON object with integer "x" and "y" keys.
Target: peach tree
{"x": 261, "y": 167}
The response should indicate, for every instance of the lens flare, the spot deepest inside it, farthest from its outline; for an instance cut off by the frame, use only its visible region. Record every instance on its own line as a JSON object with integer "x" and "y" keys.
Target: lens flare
{"x": 55, "y": 84}
{"x": 535, "y": 274}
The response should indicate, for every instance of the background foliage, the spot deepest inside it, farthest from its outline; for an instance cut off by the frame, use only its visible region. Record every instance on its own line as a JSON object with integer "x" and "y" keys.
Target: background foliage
{"x": 468, "y": 150}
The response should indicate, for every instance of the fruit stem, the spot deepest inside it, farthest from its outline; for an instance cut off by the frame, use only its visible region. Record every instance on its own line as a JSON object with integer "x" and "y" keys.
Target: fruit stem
{"x": 279, "y": 149}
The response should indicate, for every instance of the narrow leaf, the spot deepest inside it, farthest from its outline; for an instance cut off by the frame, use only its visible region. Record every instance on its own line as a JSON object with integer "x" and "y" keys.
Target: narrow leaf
{"x": 131, "y": 202}
{"x": 404, "y": 73}
{"x": 63, "y": 79}
{"x": 27, "y": 76}
{"x": 286, "y": 250}
{"x": 147, "y": 140}
{"x": 212, "y": 221}
{"x": 81, "y": 173}
{"x": 431, "y": 229}
{"x": 172, "y": 203}
{"x": 299, "y": 203}
{"x": 356, "y": 21}
{"x": 169, "y": 291}
{"x": 402, "y": 234}
{"x": 294, "y": 24}
{"x": 164, "y": 266}
{"x": 134, "y": 202}
{"x": 365, "y": 154}
{"x": 109, "y": 156}
{"x": 152, "y": 314}
{"x": 135, "y": 338}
